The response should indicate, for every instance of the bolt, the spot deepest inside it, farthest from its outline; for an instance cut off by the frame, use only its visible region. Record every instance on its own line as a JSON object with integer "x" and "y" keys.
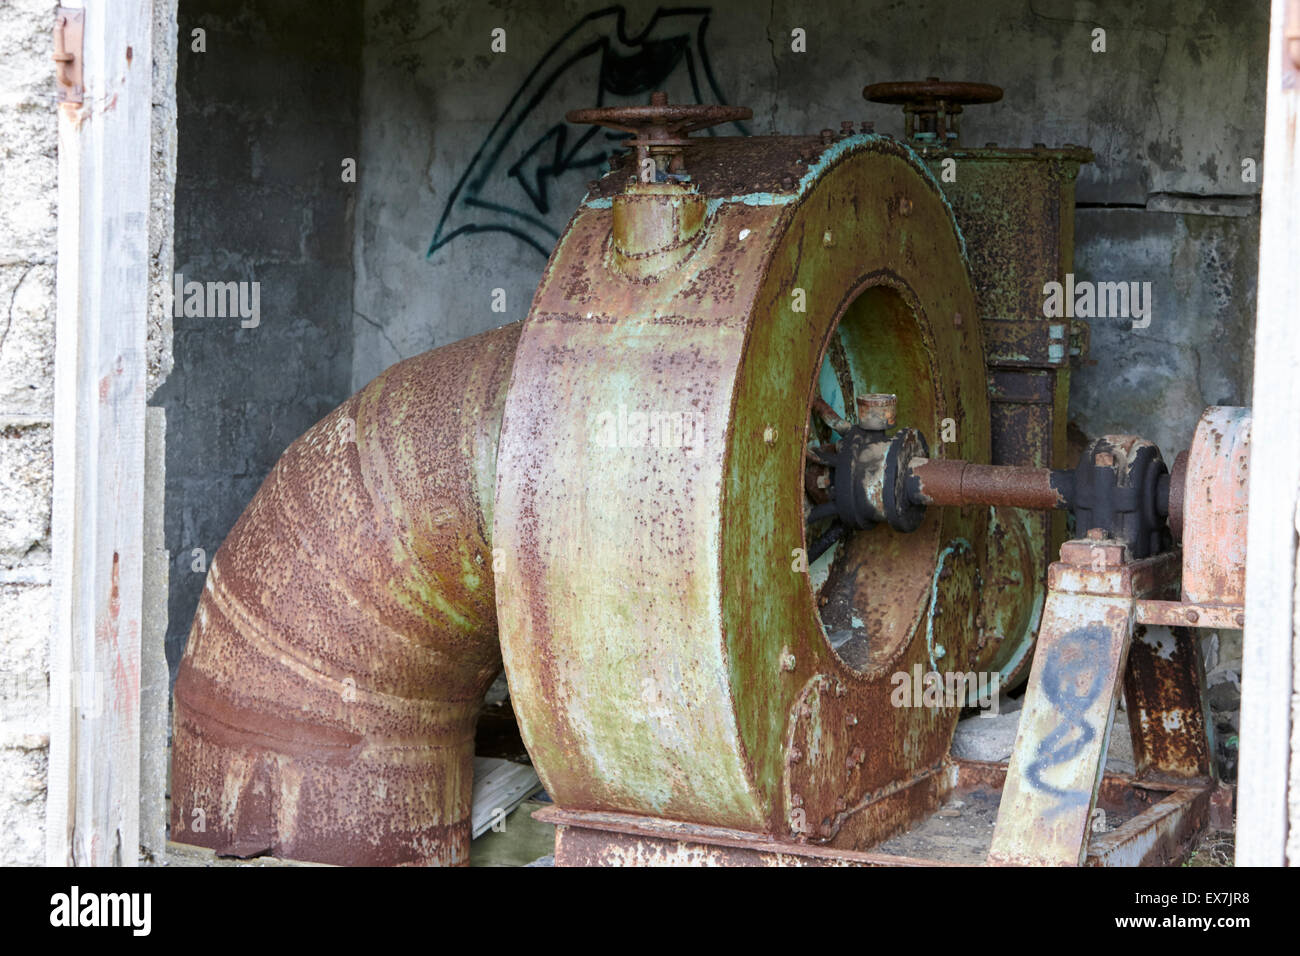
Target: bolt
{"x": 850, "y": 719}
{"x": 957, "y": 320}
{"x": 1104, "y": 459}
{"x": 593, "y": 185}
{"x": 787, "y": 661}
{"x": 1097, "y": 534}
{"x": 823, "y": 601}
{"x": 877, "y": 411}
{"x": 796, "y": 800}
{"x": 795, "y": 755}
{"x": 805, "y": 710}
{"x": 769, "y": 435}
{"x": 846, "y": 128}
{"x": 658, "y": 98}
{"x": 823, "y": 481}
{"x": 828, "y": 240}
{"x": 1240, "y": 620}
{"x": 828, "y": 136}
{"x": 868, "y": 126}
{"x": 905, "y": 206}
{"x": 787, "y": 182}
{"x": 841, "y": 804}
{"x": 1192, "y": 616}
{"x": 840, "y": 690}
{"x": 979, "y": 621}
{"x": 990, "y": 145}
{"x": 1040, "y": 146}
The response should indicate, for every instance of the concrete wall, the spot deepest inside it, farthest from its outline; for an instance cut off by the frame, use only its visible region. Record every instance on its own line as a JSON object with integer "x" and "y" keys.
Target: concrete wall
{"x": 1171, "y": 109}
{"x": 266, "y": 116}
{"x": 469, "y": 172}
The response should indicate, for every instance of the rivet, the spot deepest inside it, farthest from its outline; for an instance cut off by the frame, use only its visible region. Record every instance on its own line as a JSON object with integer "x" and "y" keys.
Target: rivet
{"x": 1241, "y": 620}
{"x": 957, "y": 319}
{"x": 827, "y": 239}
{"x": 905, "y": 206}
{"x": 795, "y": 755}
{"x": 1192, "y": 616}
{"x": 787, "y": 660}
{"x": 850, "y": 719}
{"x": 769, "y": 435}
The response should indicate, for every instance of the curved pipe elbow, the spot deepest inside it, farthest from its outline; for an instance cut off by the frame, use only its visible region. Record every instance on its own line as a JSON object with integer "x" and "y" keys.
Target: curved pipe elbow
{"x": 326, "y": 703}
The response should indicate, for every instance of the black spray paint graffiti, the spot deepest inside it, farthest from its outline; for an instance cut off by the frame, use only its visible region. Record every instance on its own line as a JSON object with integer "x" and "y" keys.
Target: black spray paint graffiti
{"x": 1072, "y": 678}
{"x": 530, "y": 147}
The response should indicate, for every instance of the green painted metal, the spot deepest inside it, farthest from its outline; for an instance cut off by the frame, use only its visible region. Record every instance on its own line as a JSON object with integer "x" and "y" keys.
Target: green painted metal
{"x": 658, "y": 629}
{"x": 1016, "y": 206}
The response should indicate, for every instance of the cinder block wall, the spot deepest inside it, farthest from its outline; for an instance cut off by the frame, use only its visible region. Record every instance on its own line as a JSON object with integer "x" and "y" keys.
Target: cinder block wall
{"x": 265, "y": 116}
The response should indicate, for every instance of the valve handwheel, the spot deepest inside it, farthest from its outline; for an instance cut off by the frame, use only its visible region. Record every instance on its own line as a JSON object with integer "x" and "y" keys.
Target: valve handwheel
{"x": 661, "y": 126}
{"x": 935, "y": 101}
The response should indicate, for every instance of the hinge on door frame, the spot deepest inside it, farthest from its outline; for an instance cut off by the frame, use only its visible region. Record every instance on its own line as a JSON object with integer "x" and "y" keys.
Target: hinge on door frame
{"x": 68, "y": 29}
{"x": 1291, "y": 44}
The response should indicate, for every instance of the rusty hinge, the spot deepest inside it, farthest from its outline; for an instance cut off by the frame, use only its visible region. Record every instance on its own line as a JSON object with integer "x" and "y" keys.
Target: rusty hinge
{"x": 1035, "y": 343}
{"x": 1291, "y": 41}
{"x": 68, "y": 24}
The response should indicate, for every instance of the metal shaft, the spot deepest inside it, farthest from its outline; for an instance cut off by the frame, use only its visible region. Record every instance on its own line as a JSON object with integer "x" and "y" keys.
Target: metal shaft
{"x": 934, "y": 481}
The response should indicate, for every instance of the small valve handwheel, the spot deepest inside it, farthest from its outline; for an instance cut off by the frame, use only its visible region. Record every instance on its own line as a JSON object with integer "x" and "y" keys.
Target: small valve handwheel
{"x": 661, "y": 127}
{"x": 932, "y": 108}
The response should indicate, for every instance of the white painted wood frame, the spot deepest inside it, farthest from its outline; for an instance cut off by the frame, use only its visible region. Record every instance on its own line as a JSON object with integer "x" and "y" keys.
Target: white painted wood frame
{"x": 1269, "y": 658}
{"x": 99, "y": 443}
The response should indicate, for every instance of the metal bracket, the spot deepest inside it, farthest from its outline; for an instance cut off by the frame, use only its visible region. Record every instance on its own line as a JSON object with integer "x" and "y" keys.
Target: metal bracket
{"x": 69, "y": 26}
{"x": 1035, "y": 343}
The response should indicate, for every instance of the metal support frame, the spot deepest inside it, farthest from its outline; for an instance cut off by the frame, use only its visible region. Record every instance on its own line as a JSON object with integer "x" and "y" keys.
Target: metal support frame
{"x": 1086, "y": 647}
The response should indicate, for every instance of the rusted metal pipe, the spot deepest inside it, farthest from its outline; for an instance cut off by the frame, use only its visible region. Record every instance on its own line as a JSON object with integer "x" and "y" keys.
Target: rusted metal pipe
{"x": 936, "y": 481}
{"x": 326, "y": 703}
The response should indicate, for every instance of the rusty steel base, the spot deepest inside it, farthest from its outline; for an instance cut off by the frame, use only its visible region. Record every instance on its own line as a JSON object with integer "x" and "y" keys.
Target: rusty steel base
{"x": 1163, "y": 822}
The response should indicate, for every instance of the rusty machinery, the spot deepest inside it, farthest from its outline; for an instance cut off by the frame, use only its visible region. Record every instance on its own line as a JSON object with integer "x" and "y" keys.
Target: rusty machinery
{"x": 839, "y": 455}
